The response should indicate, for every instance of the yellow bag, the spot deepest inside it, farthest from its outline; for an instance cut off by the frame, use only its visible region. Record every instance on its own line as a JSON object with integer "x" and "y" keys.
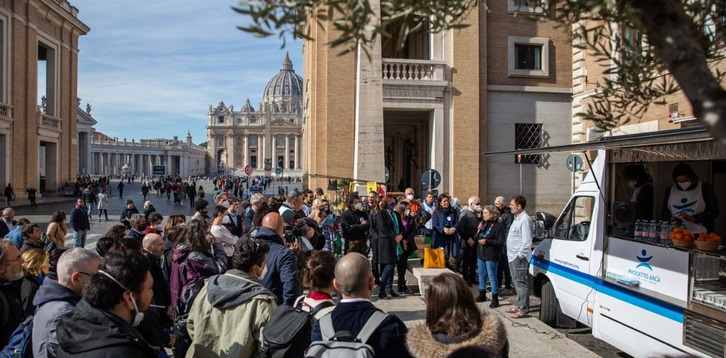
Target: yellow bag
{"x": 434, "y": 258}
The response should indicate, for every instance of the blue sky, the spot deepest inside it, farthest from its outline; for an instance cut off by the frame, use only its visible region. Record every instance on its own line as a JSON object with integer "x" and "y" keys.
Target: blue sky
{"x": 151, "y": 69}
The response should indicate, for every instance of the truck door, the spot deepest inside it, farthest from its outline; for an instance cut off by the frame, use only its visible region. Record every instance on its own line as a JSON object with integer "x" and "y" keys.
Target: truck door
{"x": 571, "y": 255}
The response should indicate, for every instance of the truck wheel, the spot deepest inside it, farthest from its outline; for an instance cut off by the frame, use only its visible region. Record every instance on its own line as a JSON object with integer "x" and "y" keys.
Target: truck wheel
{"x": 548, "y": 305}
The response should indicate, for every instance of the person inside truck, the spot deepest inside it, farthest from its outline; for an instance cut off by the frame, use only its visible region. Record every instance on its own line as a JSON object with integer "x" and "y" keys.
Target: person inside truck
{"x": 690, "y": 201}
{"x": 642, "y": 185}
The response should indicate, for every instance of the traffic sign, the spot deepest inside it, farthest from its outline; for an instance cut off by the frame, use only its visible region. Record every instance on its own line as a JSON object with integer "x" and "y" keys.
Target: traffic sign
{"x": 278, "y": 170}
{"x": 574, "y": 163}
{"x": 430, "y": 178}
{"x": 248, "y": 170}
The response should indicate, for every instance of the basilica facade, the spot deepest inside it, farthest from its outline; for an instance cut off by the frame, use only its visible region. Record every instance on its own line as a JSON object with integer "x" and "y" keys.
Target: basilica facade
{"x": 268, "y": 138}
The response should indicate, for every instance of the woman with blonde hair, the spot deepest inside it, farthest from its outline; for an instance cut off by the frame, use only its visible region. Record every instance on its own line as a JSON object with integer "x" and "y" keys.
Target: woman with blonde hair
{"x": 57, "y": 229}
{"x": 454, "y": 322}
{"x": 35, "y": 268}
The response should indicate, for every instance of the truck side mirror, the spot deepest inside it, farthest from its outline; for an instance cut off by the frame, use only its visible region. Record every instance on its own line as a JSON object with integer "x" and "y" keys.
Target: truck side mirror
{"x": 543, "y": 225}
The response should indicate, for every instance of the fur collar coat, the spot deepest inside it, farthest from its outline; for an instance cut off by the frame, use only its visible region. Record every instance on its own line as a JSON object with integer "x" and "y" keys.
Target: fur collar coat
{"x": 492, "y": 338}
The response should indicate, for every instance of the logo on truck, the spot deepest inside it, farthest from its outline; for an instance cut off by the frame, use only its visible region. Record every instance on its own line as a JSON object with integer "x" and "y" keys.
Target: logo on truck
{"x": 644, "y": 260}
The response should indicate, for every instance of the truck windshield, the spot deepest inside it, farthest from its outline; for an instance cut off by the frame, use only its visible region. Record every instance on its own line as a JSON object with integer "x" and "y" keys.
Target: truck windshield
{"x": 574, "y": 223}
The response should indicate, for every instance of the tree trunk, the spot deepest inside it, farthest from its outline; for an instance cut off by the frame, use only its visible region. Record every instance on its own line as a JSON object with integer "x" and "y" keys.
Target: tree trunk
{"x": 681, "y": 46}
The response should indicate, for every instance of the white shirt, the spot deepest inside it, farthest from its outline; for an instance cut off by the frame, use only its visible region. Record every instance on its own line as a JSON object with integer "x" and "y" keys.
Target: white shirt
{"x": 519, "y": 239}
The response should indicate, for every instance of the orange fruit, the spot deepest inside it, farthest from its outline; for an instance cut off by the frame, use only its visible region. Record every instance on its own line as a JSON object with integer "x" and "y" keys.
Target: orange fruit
{"x": 679, "y": 236}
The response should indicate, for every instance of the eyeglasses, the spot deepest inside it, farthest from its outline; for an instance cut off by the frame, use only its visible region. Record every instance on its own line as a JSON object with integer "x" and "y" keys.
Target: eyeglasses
{"x": 85, "y": 273}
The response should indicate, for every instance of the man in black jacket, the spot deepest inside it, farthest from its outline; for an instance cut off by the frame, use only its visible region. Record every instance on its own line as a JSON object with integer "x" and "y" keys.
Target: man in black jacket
{"x": 354, "y": 280}
{"x": 11, "y": 277}
{"x": 153, "y": 246}
{"x": 234, "y": 221}
{"x": 79, "y": 223}
{"x": 102, "y": 324}
{"x": 468, "y": 227}
{"x": 354, "y": 223}
{"x": 126, "y": 214}
{"x": 505, "y": 218}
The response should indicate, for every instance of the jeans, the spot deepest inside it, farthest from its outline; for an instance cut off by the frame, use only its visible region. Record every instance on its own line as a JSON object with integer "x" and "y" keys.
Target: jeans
{"x": 488, "y": 269}
{"x": 520, "y": 271}
{"x": 90, "y": 211}
{"x": 386, "y": 278}
{"x": 79, "y": 238}
{"x": 503, "y": 270}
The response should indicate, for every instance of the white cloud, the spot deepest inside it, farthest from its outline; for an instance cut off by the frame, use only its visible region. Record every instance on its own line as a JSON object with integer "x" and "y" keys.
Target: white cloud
{"x": 151, "y": 69}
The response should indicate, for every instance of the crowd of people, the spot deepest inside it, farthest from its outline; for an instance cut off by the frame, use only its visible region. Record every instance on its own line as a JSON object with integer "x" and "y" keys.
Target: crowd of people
{"x": 208, "y": 286}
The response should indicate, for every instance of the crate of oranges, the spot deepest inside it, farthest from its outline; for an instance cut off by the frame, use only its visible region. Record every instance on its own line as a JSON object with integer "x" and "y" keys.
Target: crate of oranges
{"x": 682, "y": 238}
{"x": 708, "y": 242}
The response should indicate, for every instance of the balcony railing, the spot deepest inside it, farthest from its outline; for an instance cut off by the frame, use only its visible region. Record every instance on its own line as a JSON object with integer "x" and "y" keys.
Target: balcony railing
{"x": 412, "y": 70}
{"x": 47, "y": 121}
{"x": 6, "y": 110}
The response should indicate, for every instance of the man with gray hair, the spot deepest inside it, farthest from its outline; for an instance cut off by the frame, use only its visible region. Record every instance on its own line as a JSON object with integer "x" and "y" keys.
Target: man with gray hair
{"x": 7, "y": 224}
{"x": 255, "y": 201}
{"x": 138, "y": 224}
{"x": 354, "y": 280}
{"x": 291, "y": 209}
{"x": 58, "y": 298}
{"x": 468, "y": 227}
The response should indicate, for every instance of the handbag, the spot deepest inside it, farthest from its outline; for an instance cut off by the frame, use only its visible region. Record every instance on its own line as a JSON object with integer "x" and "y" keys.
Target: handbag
{"x": 434, "y": 258}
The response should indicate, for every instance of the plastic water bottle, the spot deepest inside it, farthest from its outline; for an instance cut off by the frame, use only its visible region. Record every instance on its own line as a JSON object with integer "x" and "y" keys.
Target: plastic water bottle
{"x": 653, "y": 232}
{"x": 664, "y": 232}
{"x": 638, "y": 233}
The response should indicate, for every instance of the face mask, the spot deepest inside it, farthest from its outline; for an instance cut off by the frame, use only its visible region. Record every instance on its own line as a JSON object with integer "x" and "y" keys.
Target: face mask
{"x": 407, "y": 212}
{"x": 684, "y": 185}
{"x": 225, "y": 204}
{"x": 358, "y": 206}
{"x": 409, "y": 196}
{"x": 143, "y": 227}
{"x": 138, "y": 316}
{"x": 159, "y": 228}
{"x": 263, "y": 273}
{"x": 477, "y": 208}
{"x": 632, "y": 184}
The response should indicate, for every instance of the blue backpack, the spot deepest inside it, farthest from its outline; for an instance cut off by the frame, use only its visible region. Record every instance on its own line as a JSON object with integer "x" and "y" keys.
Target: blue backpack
{"x": 19, "y": 345}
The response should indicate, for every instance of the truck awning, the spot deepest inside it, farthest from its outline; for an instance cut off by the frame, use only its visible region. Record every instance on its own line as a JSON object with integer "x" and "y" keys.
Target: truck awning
{"x": 650, "y": 142}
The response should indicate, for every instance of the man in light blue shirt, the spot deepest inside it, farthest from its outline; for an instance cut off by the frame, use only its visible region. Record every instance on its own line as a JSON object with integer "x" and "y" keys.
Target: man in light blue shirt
{"x": 519, "y": 252}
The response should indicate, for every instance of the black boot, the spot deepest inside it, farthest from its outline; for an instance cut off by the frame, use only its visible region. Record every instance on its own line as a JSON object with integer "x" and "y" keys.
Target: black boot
{"x": 495, "y": 301}
{"x": 482, "y": 296}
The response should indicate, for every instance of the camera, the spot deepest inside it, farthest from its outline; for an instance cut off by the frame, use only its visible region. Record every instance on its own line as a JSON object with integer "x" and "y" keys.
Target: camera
{"x": 293, "y": 232}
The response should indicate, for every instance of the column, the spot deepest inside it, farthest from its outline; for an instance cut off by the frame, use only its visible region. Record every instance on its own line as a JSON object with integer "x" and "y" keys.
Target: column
{"x": 286, "y": 165}
{"x": 298, "y": 153}
{"x": 244, "y": 160}
{"x": 260, "y": 151}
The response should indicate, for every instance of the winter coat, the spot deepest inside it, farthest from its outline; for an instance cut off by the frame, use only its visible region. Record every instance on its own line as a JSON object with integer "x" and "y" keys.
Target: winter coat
{"x": 102, "y": 201}
{"x": 11, "y": 293}
{"x": 197, "y": 266}
{"x": 350, "y": 221}
{"x": 57, "y": 233}
{"x": 94, "y": 333}
{"x": 79, "y": 218}
{"x": 228, "y": 316}
{"x": 388, "y": 340}
{"x": 440, "y": 220}
{"x": 54, "y": 301}
{"x": 28, "y": 245}
{"x": 126, "y": 214}
{"x": 495, "y": 237}
{"x": 492, "y": 338}
{"x": 386, "y": 233}
{"x": 148, "y": 210}
{"x": 281, "y": 277}
{"x": 28, "y": 288}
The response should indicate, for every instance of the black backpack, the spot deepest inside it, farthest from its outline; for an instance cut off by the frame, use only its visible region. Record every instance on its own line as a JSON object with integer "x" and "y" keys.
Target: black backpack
{"x": 181, "y": 315}
{"x": 287, "y": 333}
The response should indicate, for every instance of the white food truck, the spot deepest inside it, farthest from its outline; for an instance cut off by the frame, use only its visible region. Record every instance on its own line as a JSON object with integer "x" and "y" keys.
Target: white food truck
{"x": 645, "y": 298}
